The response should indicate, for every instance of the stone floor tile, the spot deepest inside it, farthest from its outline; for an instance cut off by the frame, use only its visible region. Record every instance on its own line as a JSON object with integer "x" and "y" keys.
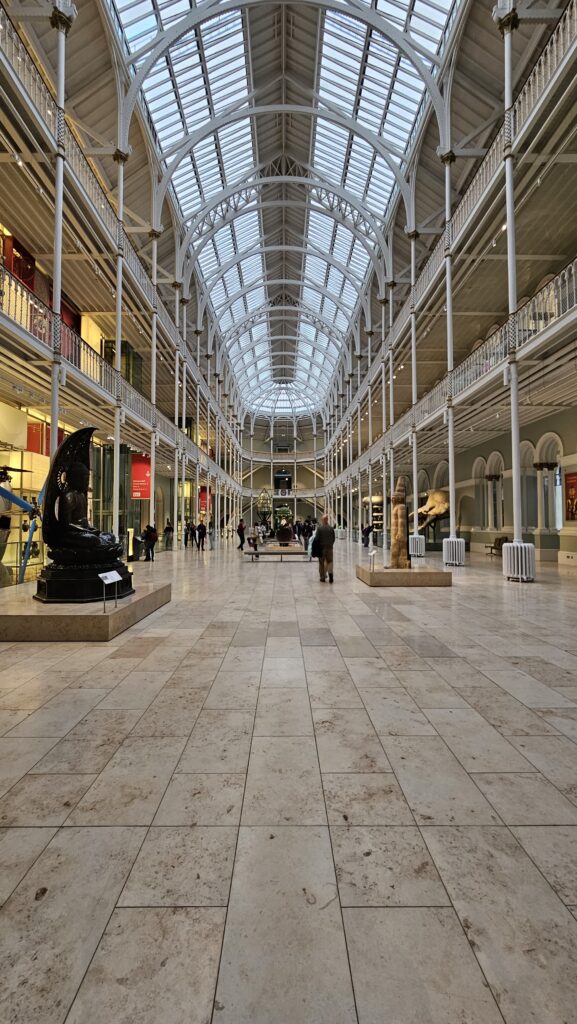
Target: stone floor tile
{"x": 458, "y": 672}
{"x": 60, "y": 714}
{"x": 506, "y": 713}
{"x": 19, "y": 848}
{"x": 429, "y": 690}
{"x": 108, "y": 673}
{"x": 332, "y": 690}
{"x": 202, "y": 800}
{"x": 385, "y": 867}
{"x": 522, "y": 799}
{"x": 243, "y": 659}
{"x": 234, "y": 690}
{"x": 347, "y": 742}
{"x": 526, "y": 689}
{"x": 8, "y": 719}
{"x": 386, "y": 944}
{"x": 173, "y": 713}
{"x": 154, "y": 966}
{"x": 18, "y": 756}
{"x": 283, "y": 647}
{"x": 371, "y": 672}
{"x": 283, "y": 711}
{"x": 131, "y": 786}
{"x": 53, "y": 922}
{"x": 477, "y": 745}
{"x": 524, "y": 938}
{"x": 320, "y": 637}
{"x": 371, "y": 799}
{"x": 356, "y": 647}
{"x": 283, "y": 785}
{"x": 563, "y": 720}
{"x": 219, "y": 742}
{"x": 41, "y": 800}
{"x": 182, "y": 867}
{"x": 82, "y": 756}
{"x": 283, "y": 672}
{"x": 555, "y": 757}
{"x": 436, "y": 786}
{"x": 137, "y": 690}
{"x": 105, "y": 725}
{"x": 197, "y": 675}
{"x": 394, "y": 713}
{"x": 323, "y": 659}
{"x": 284, "y": 889}
{"x": 554, "y": 851}
{"x": 282, "y": 629}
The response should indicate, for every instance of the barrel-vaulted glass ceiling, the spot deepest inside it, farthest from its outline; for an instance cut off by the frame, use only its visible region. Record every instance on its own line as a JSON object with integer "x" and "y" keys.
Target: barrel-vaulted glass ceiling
{"x": 207, "y": 73}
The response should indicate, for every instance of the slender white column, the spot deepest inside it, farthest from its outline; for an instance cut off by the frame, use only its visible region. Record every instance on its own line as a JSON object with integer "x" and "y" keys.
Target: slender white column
{"x": 385, "y": 524}
{"x": 448, "y": 159}
{"x": 120, "y": 160}
{"x": 540, "y": 497}
{"x": 414, "y": 387}
{"x": 154, "y": 235}
{"x": 196, "y": 495}
{"x": 359, "y": 440}
{"x": 62, "y": 24}
{"x": 360, "y": 510}
{"x": 512, "y": 282}
{"x": 197, "y": 427}
{"x": 251, "y": 479}
{"x": 295, "y": 477}
{"x": 315, "y": 474}
{"x": 490, "y": 504}
{"x": 370, "y": 519}
{"x": 551, "y": 517}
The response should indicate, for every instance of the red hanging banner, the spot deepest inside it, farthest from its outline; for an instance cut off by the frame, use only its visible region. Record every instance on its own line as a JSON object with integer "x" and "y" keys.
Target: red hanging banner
{"x": 204, "y": 502}
{"x": 141, "y": 477}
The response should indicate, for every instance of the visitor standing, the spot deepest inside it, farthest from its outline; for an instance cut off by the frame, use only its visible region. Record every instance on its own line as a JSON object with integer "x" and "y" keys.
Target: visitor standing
{"x": 168, "y": 535}
{"x": 240, "y": 531}
{"x": 200, "y": 535}
{"x": 324, "y": 543}
{"x": 211, "y": 535}
{"x": 186, "y": 532}
{"x": 192, "y": 532}
{"x": 150, "y": 537}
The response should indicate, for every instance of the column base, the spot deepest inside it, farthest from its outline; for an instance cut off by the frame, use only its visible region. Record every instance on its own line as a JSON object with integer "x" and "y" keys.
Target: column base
{"x": 453, "y": 551}
{"x": 416, "y": 545}
{"x": 519, "y": 562}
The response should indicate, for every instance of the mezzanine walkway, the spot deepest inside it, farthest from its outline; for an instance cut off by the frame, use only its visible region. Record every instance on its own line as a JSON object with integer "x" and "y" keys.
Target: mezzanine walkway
{"x": 403, "y": 769}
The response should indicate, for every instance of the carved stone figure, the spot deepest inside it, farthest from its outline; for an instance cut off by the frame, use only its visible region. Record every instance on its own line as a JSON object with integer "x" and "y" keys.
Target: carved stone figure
{"x": 435, "y": 508}
{"x": 79, "y": 551}
{"x": 399, "y": 528}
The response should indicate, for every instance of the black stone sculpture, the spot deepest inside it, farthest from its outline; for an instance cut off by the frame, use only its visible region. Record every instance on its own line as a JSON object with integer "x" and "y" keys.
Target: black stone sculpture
{"x": 78, "y": 551}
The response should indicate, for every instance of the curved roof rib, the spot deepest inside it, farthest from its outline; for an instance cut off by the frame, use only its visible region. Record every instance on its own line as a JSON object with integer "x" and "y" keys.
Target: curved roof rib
{"x": 283, "y": 180}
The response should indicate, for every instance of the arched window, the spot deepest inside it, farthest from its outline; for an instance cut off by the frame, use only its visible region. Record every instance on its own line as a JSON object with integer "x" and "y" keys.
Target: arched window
{"x": 441, "y": 476}
{"x": 481, "y": 493}
{"x": 495, "y": 502}
{"x": 549, "y": 482}
{"x": 528, "y": 486}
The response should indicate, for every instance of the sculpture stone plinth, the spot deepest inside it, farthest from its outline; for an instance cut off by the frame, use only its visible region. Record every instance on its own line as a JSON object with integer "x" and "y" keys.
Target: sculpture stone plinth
{"x": 79, "y": 552}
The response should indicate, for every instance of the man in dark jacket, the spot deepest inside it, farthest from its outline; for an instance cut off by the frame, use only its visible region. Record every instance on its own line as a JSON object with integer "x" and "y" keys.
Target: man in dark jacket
{"x": 200, "y": 535}
{"x": 325, "y": 540}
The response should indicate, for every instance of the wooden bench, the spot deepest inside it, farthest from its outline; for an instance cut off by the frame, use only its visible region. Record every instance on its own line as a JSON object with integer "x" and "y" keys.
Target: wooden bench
{"x": 496, "y": 548}
{"x": 268, "y": 550}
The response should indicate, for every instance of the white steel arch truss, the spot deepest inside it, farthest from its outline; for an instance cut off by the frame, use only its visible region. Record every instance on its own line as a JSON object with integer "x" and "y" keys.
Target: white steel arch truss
{"x": 375, "y": 66}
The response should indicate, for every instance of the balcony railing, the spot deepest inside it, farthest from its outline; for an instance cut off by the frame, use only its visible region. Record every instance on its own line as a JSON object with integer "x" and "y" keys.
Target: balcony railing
{"x": 18, "y": 303}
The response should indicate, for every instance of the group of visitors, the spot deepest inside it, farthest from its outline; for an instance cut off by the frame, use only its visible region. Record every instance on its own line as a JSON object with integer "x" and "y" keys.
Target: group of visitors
{"x": 149, "y": 538}
{"x": 197, "y": 533}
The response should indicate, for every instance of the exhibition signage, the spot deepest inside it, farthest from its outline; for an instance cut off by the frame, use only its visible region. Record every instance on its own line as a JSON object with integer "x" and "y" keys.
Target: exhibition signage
{"x": 140, "y": 477}
{"x": 204, "y": 499}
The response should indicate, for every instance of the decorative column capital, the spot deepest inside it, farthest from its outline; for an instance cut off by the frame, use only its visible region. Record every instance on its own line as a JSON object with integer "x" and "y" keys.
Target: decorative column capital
{"x": 63, "y": 15}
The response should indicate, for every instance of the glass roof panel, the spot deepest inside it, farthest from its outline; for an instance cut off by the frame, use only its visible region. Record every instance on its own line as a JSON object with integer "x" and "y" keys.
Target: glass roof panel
{"x": 206, "y": 73}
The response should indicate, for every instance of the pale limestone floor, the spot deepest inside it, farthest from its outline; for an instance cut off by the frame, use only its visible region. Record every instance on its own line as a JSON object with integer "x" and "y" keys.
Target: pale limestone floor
{"x": 278, "y": 802}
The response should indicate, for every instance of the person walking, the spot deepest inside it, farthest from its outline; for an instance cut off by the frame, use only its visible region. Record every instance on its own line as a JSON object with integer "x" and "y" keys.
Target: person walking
{"x": 240, "y": 531}
{"x": 186, "y": 532}
{"x": 150, "y": 537}
{"x": 192, "y": 532}
{"x": 200, "y": 535}
{"x": 168, "y": 535}
{"x": 324, "y": 542}
{"x": 211, "y": 536}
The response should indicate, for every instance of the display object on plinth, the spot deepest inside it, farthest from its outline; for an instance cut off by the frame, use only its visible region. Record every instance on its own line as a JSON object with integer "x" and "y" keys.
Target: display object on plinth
{"x": 79, "y": 552}
{"x": 400, "y": 558}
